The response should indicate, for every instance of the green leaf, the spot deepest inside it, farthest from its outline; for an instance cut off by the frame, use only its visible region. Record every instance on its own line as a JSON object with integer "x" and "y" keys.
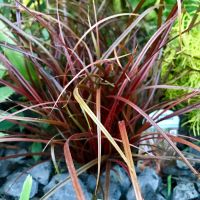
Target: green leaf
{"x": 5, "y": 125}
{"x": 133, "y": 3}
{"x": 17, "y": 59}
{"x": 5, "y": 93}
{"x": 45, "y": 34}
{"x": 26, "y": 190}
{"x": 2, "y": 71}
{"x": 3, "y": 134}
{"x": 35, "y": 148}
{"x": 117, "y": 5}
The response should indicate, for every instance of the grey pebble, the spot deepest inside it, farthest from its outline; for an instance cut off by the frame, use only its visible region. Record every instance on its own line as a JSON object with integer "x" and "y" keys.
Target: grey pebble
{"x": 185, "y": 191}
{"x": 65, "y": 192}
{"x": 41, "y": 172}
{"x": 13, "y": 185}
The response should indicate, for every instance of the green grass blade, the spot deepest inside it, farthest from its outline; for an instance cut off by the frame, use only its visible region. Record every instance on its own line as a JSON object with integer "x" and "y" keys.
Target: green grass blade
{"x": 169, "y": 186}
{"x": 26, "y": 190}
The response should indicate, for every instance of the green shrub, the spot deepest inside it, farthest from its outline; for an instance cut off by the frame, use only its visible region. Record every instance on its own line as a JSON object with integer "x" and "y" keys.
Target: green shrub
{"x": 181, "y": 66}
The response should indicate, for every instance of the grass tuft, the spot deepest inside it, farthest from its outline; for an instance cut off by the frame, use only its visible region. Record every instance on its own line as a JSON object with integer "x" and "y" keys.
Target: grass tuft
{"x": 84, "y": 81}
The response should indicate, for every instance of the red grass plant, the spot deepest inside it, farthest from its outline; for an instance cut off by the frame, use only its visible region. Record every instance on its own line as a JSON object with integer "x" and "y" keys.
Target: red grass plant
{"x": 91, "y": 82}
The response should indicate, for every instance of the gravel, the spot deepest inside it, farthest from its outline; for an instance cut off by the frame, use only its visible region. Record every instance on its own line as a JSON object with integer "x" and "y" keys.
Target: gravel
{"x": 11, "y": 152}
{"x": 118, "y": 176}
{"x": 41, "y": 172}
{"x": 120, "y": 187}
{"x": 5, "y": 166}
{"x": 14, "y": 183}
{"x": 149, "y": 182}
{"x": 67, "y": 191}
{"x": 185, "y": 192}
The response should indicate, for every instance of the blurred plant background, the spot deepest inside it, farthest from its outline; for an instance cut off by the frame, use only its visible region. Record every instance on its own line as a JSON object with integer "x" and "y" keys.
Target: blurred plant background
{"x": 182, "y": 66}
{"x": 84, "y": 75}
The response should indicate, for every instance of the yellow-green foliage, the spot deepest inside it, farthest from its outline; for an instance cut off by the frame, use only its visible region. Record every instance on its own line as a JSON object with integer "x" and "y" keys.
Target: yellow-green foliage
{"x": 182, "y": 65}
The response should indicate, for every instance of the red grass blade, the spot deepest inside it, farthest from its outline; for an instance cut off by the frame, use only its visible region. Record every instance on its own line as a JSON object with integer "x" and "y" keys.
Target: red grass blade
{"x": 127, "y": 149}
{"x": 135, "y": 107}
{"x": 72, "y": 172}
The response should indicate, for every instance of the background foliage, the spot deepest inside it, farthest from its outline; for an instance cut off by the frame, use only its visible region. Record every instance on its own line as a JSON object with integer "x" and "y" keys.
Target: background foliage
{"x": 83, "y": 77}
